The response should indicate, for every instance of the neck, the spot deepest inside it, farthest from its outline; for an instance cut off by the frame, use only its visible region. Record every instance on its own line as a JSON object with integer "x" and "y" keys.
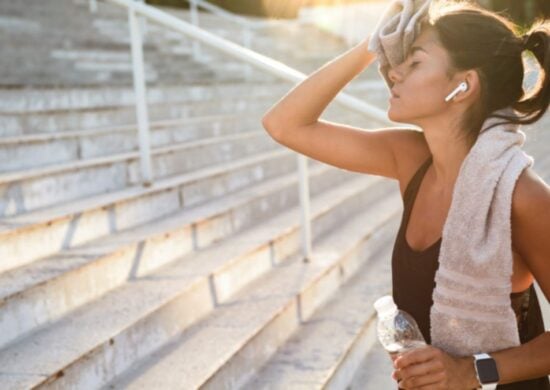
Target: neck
{"x": 448, "y": 149}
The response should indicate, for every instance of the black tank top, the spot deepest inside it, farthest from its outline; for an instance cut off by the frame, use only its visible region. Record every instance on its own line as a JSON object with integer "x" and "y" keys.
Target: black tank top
{"x": 413, "y": 282}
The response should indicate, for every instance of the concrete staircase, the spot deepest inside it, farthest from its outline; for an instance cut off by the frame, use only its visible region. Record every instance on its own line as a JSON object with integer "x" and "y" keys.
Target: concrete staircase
{"x": 196, "y": 281}
{"x": 78, "y": 48}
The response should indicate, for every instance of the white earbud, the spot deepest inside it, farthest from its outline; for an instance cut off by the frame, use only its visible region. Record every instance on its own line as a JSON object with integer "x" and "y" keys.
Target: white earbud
{"x": 462, "y": 87}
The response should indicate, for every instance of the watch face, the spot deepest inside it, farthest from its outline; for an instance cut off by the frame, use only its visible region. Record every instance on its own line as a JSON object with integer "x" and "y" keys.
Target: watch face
{"x": 487, "y": 370}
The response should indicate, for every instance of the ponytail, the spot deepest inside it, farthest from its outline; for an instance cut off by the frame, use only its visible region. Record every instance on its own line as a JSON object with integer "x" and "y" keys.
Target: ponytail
{"x": 537, "y": 41}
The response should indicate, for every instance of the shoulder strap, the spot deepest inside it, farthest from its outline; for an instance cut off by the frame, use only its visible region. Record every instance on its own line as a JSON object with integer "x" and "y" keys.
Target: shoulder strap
{"x": 413, "y": 184}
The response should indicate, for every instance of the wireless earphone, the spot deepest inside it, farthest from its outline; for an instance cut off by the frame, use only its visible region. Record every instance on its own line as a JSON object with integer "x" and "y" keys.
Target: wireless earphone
{"x": 462, "y": 87}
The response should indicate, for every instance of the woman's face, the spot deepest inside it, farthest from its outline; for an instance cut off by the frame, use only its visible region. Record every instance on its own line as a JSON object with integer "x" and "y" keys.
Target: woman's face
{"x": 421, "y": 81}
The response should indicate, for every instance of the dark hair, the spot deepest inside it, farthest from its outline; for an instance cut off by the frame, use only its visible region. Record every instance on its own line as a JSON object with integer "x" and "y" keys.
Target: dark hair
{"x": 490, "y": 43}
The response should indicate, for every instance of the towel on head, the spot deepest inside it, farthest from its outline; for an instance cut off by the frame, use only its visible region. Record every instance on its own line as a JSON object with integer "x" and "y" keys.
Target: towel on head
{"x": 395, "y": 32}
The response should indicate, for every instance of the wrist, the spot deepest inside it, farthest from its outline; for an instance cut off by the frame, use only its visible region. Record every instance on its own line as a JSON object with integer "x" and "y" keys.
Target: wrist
{"x": 469, "y": 372}
{"x": 370, "y": 55}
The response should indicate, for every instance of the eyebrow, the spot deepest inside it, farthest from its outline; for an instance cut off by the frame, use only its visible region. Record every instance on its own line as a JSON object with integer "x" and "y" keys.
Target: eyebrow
{"x": 416, "y": 48}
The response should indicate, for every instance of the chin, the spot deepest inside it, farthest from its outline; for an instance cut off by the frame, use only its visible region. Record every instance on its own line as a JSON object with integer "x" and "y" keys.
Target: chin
{"x": 394, "y": 116}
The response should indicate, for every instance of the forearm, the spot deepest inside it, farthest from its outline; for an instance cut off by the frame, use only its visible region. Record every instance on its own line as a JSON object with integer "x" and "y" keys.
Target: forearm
{"x": 527, "y": 361}
{"x": 304, "y": 104}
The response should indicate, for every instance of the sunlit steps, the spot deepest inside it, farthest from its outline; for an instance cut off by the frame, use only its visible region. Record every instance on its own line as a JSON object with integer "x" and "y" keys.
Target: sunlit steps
{"x": 222, "y": 268}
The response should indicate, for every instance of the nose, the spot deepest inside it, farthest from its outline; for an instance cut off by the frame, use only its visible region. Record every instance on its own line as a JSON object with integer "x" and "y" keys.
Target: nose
{"x": 394, "y": 75}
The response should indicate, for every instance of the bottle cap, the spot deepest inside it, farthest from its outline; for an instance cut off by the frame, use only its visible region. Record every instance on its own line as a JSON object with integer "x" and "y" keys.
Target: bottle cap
{"x": 385, "y": 305}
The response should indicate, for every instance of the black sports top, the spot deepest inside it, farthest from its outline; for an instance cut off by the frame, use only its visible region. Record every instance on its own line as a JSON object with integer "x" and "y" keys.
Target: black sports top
{"x": 413, "y": 281}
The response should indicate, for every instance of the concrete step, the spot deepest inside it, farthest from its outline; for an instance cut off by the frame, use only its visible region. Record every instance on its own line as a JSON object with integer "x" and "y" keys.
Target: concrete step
{"x": 74, "y": 223}
{"x": 374, "y": 372}
{"x": 84, "y": 266}
{"x": 90, "y": 351}
{"x": 65, "y": 75}
{"x": 30, "y": 101}
{"x": 182, "y": 69}
{"x": 327, "y": 349}
{"x": 57, "y": 121}
{"x": 95, "y": 55}
{"x": 179, "y": 129}
{"x": 228, "y": 347}
{"x": 34, "y": 150}
{"x": 36, "y": 188}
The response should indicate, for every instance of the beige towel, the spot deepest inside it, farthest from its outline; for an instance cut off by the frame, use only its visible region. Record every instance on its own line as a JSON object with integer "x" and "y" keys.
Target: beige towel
{"x": 396, "y": 31}
{"x": 472, "y": 310}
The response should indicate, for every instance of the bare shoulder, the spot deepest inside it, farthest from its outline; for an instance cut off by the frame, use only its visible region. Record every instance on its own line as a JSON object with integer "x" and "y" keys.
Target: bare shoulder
{"x": 529, "y": 191}
{"x": 411, "y": 151}
{"x": 531, "y": 224}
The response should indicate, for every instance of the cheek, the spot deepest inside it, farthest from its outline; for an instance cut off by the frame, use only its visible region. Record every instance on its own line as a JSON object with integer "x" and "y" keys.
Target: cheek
{"x": 423, "y": 95}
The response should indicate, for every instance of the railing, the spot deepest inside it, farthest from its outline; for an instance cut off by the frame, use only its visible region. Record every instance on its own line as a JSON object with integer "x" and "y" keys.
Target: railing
{"x": 248, "y": 26}
{"x": 234, "y": 50}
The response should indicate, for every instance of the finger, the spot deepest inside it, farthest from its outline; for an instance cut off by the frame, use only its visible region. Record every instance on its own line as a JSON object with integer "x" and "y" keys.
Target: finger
{"x": 429, "y": 387}
{"x": 415, "y": 356}
{"x": 432, "y": 379}
{"x": 396, "y": 375}
{"x": 420, "y": 369}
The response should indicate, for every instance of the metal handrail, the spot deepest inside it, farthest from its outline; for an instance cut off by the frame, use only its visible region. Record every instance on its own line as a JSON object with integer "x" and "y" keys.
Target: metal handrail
{"x": 269, "y": 65}
{"x": 220, "y": 12}
{"x": 248, "y": 26}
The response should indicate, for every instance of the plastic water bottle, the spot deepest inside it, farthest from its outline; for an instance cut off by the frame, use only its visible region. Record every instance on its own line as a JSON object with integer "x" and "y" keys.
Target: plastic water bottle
{"x": 397, "y": 330}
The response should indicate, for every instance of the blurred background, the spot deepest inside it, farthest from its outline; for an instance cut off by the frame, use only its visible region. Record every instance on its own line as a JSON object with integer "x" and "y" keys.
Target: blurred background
{"x": 522, "y": 11}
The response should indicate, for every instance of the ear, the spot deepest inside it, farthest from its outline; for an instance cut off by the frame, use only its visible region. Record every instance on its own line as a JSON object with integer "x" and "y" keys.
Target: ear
{"x": 471, "y": 77}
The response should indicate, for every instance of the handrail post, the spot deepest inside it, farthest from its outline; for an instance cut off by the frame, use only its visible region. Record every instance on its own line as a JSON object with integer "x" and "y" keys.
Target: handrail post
{"x": 247, "y": 42}
{"x": 305, "y": 209}
{"x": 142, "y": 21}
{"x": 93, "y": 6}
{"x": 140, "y": 95}
{"x": 195, "y": 22}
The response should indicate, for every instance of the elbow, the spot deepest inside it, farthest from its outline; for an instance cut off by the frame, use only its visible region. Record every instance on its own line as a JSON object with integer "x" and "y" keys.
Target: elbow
{"x": 272, "y": 128}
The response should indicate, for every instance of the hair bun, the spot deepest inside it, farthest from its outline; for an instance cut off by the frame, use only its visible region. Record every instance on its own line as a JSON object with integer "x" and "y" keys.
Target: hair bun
{"x": 531, "y": 41}
{"x": 524, "y": 40}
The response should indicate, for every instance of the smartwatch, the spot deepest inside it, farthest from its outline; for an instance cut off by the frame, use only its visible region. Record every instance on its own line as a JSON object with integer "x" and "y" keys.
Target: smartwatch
{"x": 486, "y": 371}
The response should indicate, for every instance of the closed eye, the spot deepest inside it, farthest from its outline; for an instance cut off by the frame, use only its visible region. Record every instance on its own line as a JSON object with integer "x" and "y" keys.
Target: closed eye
{"x": 414, "y": 64}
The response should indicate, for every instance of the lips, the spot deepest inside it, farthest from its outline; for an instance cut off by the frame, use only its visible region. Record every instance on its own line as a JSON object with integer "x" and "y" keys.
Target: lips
{"x": 393, "y": 94}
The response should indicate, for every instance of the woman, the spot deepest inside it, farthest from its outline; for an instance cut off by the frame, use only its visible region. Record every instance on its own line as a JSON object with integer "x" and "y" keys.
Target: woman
{"x": 461, "y": 43}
